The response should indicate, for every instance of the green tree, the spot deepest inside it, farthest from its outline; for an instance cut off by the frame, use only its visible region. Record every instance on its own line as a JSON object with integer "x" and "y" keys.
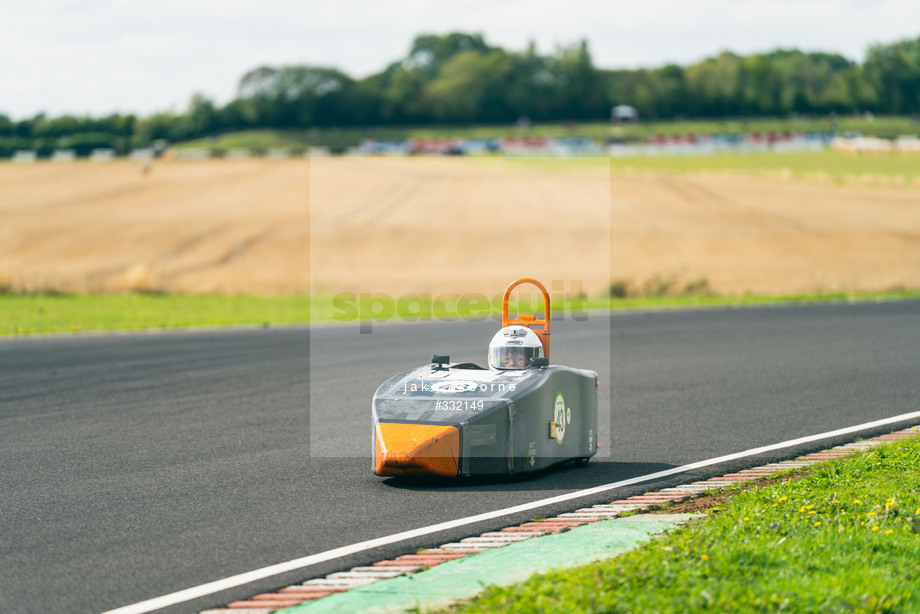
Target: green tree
{"x": 469, "y": 88}
{"x": 580, "y": 86}
{"x": 202, "y": 116}
{"x": 430, "y": 52}
{"x": 403, "y": 97}
{"x": 894, "y": 71}
{"x": 293, "y": 95}
{"x": 714, "y": 86}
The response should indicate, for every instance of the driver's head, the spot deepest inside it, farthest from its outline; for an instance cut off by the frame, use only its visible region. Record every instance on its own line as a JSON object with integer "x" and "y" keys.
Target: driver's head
{"x": 512, "y": 348}
{"x": 514, "y": 359}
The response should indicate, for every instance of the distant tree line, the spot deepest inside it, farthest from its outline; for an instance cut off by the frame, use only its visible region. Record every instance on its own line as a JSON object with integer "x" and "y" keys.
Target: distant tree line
{"x": 458, "y": 78}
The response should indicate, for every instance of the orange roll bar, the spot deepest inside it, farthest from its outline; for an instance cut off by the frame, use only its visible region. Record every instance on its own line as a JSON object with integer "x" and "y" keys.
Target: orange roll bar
{"x": 526, "y": 319}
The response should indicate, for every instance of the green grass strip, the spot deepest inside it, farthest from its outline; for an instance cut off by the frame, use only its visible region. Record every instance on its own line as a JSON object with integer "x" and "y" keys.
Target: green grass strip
{"x": 28, "y": 314}
{"x": 844, "y": 538}
{"x": 23, "y": 314}
{"x": 835, "y": 165}
{"x": 831, "y": 167}
{"x": 746, "y": 300}
{"x": 259, "y": 140}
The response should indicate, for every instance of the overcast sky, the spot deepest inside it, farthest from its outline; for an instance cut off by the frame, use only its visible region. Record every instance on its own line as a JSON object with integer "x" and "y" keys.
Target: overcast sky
{"x": 102, "y": 56}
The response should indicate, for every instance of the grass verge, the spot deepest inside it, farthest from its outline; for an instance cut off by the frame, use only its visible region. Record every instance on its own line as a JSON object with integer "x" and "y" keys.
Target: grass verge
{"x": 28, "y": 314}
{"x": 23, "y": 314}
{"x": 716, "y": 300}
{"x": 835, "y": 166}
{"x": 843, "y": 538}
{"x": 826, "y": 167}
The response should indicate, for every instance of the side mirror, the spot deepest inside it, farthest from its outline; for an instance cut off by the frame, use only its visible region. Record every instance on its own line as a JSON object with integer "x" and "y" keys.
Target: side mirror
{"x": 440, "y": 359}
{"x": 542, "y": 361}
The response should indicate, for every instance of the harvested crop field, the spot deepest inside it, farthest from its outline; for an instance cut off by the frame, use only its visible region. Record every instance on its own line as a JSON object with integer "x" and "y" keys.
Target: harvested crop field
{"x": 440, "y": 225}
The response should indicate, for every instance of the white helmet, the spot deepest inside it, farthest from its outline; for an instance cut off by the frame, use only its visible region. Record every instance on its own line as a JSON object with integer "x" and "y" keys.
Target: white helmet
{"x": 512, "y": 348}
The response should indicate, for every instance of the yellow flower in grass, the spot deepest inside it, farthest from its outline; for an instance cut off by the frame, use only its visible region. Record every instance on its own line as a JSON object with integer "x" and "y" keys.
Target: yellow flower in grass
{"x": 857, "y": 501}
{"x": 781, "y": 499}
{"x": 818, "y": 524}
{"x": 888, "y": 531}
{"x": 745, "y": 519}
{"x": 812, "y": 512}
{"x": 875, "y": 528}
{"x": 704, "y": 558}
{"x": 870, "y": 514}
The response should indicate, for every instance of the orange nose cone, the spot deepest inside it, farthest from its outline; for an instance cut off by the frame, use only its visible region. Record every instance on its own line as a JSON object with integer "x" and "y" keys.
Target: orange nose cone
{"x": 416, "y": 449}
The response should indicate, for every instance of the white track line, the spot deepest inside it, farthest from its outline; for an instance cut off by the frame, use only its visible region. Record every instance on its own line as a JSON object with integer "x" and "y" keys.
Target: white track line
{"x": 322, "y": 557}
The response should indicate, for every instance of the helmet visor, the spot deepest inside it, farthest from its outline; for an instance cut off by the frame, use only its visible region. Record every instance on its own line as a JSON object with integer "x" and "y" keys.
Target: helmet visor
{"x": 512, "y": 357}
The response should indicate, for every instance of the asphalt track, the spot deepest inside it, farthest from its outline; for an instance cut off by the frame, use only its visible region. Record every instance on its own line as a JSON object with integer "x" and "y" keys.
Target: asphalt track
{"x": 132, "y": 466}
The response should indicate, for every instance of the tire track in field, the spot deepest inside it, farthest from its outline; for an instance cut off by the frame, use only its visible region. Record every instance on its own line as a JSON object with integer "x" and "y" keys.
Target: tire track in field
{"x": 725, "y": 207}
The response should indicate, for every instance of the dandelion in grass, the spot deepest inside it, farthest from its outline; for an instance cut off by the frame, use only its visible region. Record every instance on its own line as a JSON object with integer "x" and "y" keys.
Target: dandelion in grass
{"x": 875, "y": 528}
{"x": 889, "y": 531}
{"x": 745, "y": 519}
{"x": 812, "y": 512}
{"x": 818, "y": 524}
{"x": 870, "y": 514}
{"x": 704, "y": 558}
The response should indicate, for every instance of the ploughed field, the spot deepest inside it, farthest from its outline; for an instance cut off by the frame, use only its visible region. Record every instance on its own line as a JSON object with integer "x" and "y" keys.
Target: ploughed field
{"x": 441, "y": 225}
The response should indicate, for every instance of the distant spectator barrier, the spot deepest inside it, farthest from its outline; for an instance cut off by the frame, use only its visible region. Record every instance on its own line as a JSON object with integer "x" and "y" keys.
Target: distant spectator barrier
{"x": 908, "y": 144}
{"x": 102, "y": 155}
{"x": 238, "y": 153}
{"x": 235, "y": 153}
{"x": 709, "y": 144}
{"x": 381, "y": 148}
{"x": 191, "y": 154}
{"x": 875, "y": 146}
{"x": 63, "y": 155}
{"x": 512, "y": 146}
{"x": 657, "y": 145}
{"x": 143, "y": 155}
{"x": 25, "y": 156}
